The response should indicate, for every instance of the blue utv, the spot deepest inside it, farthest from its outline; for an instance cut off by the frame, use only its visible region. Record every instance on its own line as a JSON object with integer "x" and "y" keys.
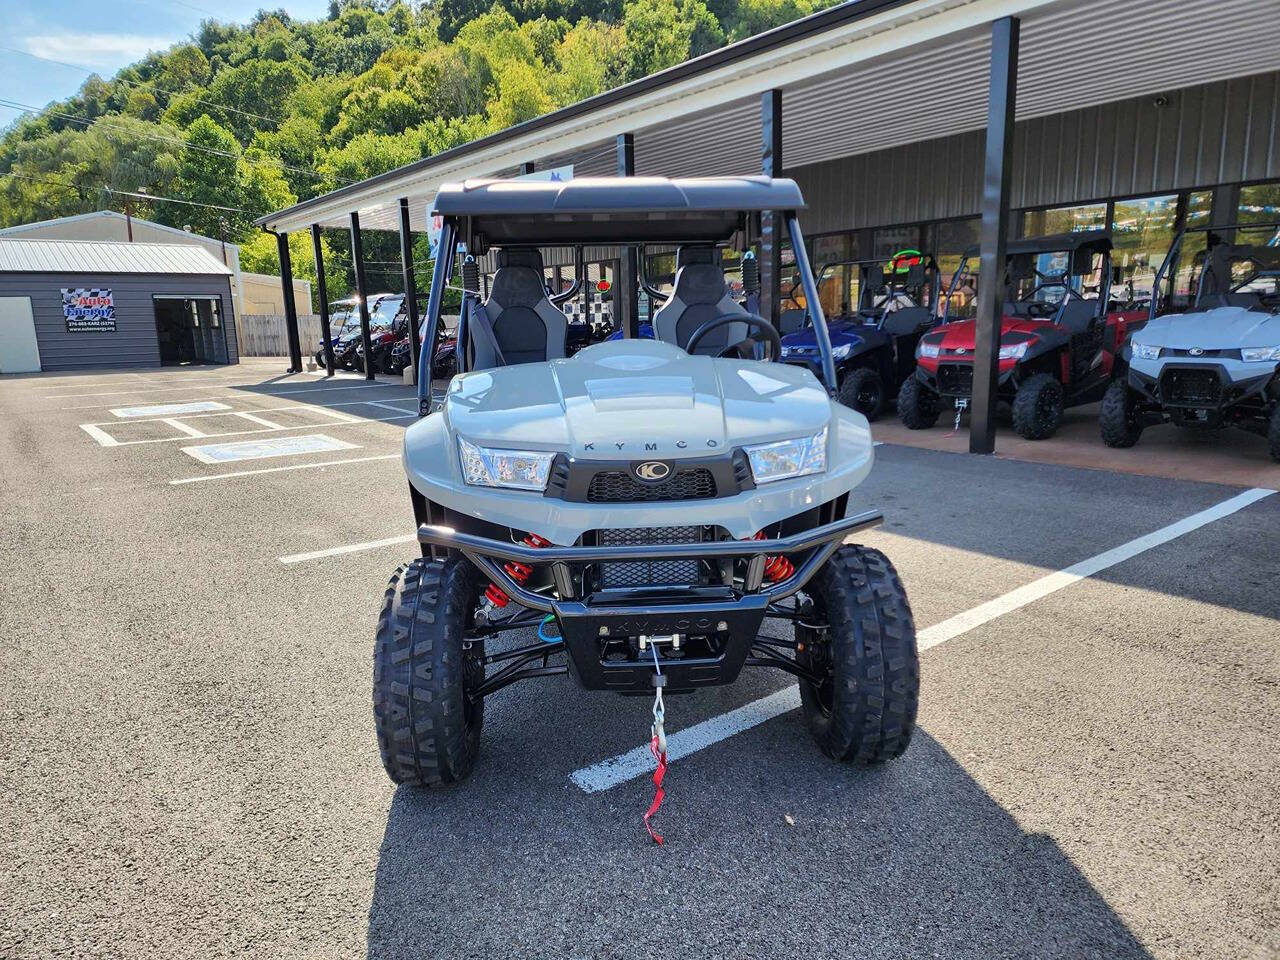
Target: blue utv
{"x": 873, "y": 345}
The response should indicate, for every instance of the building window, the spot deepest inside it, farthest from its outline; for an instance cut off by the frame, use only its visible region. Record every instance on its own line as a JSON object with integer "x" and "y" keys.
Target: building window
{"x": 954, "y": 237}
{"x": 832, "y": 274}
{"x": 1041, "y": 223}
{"x": 1141, "y": 231}
{"x": 1259, "y": 203}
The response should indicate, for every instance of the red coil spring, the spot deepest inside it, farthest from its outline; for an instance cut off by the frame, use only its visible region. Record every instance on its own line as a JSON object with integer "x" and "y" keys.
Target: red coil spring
{"x": 776, "y": 567}
{"x": 519, "y": 572}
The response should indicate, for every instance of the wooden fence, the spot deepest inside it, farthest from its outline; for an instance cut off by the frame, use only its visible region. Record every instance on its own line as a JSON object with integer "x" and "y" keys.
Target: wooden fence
{"x": 263, "y": 335}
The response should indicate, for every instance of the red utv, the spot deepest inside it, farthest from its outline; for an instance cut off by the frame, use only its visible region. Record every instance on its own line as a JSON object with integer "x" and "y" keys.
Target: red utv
{"x": 1059, "y": 339}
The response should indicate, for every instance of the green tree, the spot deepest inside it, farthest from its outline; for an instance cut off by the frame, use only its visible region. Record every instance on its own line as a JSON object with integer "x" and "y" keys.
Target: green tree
{"x": 663, "y": 33}
{"x": 750, "y": 17}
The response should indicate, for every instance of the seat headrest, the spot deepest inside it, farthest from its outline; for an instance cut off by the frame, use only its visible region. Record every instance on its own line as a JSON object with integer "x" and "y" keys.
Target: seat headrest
{"x": 530, "y": 257}
{"x": 875, "y": 278}
{"x": 518, "y": 281}
{"x": 915, "y": 275}
{"x": 687, "y": 256}
{"x": 699, "y": 283}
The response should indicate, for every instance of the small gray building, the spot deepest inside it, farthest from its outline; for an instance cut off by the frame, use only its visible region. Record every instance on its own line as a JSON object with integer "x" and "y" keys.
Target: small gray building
{"x": 75, "y": 304}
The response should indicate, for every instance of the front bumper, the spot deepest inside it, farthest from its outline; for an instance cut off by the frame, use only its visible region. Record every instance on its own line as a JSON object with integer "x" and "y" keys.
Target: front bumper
{"x": 727, "y": 619}
{"x": 1198, "y": 385}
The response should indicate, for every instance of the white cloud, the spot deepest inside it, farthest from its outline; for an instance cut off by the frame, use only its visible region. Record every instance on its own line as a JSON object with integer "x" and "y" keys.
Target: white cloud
{"x": 95, "y": 49}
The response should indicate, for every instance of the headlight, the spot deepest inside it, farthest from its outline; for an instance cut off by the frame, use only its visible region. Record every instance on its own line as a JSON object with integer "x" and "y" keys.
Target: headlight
{"x": 1259, "y": 354}
{"x": 1145, "y": 351}
{"x": 788, "y": 458}
{"x": 787, "y": 351}
{"x": 928, "y": 349}
{"x": 842, "y": 351}
{"x": 1014, "y": 351}
{"x": 517, "y": 469}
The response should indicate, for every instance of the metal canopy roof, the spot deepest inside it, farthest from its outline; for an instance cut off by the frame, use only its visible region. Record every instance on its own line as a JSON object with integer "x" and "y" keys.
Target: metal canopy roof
{"x": 617, "y": 195}
{"x": 864, "y": 76}
{"x": 94, "y": 256}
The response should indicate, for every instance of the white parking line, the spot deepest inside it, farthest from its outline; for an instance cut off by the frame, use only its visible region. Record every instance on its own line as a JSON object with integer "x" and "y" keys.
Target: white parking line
{"x": 262, "y": 421}
{"x": 292, "y": 466}
{"x": 637, "y": 762}
{"x": 388, "y": 406}
{"x": 107, "y": 440}
{"x": 186, "y": 428}
{"x": 349, "y": 548}
{"x": 104, "y": 438}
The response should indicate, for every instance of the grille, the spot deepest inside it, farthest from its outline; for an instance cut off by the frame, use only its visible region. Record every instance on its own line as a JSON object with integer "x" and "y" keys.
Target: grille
{"x": 648, "y": 573}
{"x": 955, "y": 379}
{"x": 617, "y": 486}
{"x": 1231, "y": 354}
{"x": 1196, "y": 388}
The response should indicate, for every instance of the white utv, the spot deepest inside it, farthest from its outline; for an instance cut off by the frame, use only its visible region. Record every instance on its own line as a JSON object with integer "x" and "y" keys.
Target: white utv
{"x": 1209, "y": 356}
{"x": 643, "y": 505}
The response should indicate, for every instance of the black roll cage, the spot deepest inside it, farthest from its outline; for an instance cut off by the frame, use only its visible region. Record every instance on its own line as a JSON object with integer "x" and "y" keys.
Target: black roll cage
{"x": 453, "y": 230}
{"x": 1030, "y": 247}
{"x": 1216, "y": 237}
{"x": 932, "y": 271}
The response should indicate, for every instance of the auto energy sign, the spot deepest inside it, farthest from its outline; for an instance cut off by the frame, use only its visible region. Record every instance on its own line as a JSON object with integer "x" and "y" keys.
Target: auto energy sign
{"x": 88, "y": 310}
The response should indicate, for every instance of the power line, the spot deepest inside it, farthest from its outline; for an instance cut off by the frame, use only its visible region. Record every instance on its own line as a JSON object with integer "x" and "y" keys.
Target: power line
{"x": 189, "y": 203}
{"x": 141, "y": 83}
{"x": 274, "y": 161}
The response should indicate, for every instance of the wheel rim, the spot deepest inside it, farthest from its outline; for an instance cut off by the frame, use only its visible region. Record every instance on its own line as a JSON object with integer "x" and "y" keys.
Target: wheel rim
{"x": 868, "y": 398}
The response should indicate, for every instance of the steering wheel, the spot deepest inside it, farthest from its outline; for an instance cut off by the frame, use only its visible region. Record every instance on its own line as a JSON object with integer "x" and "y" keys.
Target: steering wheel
{"x": 1040, "y": 309}
{"x": 750, "y": 319}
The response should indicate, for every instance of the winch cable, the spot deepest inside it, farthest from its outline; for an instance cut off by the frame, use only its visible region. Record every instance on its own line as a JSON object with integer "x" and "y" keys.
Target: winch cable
{"x": 657, "y": 746}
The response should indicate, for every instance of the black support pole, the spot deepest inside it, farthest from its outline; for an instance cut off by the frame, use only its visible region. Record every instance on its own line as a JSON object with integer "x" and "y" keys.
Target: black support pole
{"x": 626, "y": 295}
{"x": 362, "y": 294}
{"x": 770, "y": 220}
{"x": 410, "y": 286}
{"x": 290, "y": 307}
{"x": 322, "y": 292}
{"x": 1001, "y": 104}
{"x": 527, "y": 168}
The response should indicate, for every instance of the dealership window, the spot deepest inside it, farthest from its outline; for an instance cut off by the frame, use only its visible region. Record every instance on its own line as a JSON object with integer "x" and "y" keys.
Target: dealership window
{"x": 833, "y": 281}
{"x": 1088, "y": 216}
{"x": 952, "y": 239}
{"x": 1259, "y": 203}
{"x": 890, "y": 240}
{"x": 1186, "y": 272}
{"x": 1141, "y": 231}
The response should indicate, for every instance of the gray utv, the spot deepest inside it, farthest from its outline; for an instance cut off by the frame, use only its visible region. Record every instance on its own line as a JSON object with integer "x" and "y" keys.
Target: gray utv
{"x": 1209, "y": 356}
{"x": 644, "y": 505}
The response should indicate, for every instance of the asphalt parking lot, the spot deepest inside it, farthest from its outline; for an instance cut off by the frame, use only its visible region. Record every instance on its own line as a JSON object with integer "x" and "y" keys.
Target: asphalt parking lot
{"x": 189, "y": 768}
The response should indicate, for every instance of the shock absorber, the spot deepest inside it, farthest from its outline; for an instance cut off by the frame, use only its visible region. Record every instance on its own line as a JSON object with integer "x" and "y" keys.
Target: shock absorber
{"x": 776, "y": 567}
{"x": 471, "y": 275}
{"x": 517, "y": 571}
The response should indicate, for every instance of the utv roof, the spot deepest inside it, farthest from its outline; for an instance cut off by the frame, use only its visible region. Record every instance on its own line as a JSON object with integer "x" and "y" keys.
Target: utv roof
{"x": 609, "y": 209}
{"x": 1099, "y": 240}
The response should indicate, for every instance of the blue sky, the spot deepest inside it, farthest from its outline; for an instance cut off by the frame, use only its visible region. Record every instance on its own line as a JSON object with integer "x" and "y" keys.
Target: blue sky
{"x": 102, "y": 36}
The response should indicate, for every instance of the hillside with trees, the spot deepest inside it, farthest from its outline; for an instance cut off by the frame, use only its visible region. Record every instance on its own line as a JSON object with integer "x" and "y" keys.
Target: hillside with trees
{"x": 245, "y": 119}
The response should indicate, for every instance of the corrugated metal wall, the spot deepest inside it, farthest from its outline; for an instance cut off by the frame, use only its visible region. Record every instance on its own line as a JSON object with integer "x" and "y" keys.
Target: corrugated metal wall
{"x": 134, "y": 342}
{"x": 1224, "y": 132}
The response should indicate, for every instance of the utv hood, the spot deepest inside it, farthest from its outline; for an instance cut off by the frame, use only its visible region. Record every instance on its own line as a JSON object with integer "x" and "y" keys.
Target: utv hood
{"x": 636, "y": 398}
{"x": 1220, "y": 328}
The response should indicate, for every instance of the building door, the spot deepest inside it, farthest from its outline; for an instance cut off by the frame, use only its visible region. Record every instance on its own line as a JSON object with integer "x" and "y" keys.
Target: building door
{"x": 19, "y": 351}
{"x": 190, "y": 330}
